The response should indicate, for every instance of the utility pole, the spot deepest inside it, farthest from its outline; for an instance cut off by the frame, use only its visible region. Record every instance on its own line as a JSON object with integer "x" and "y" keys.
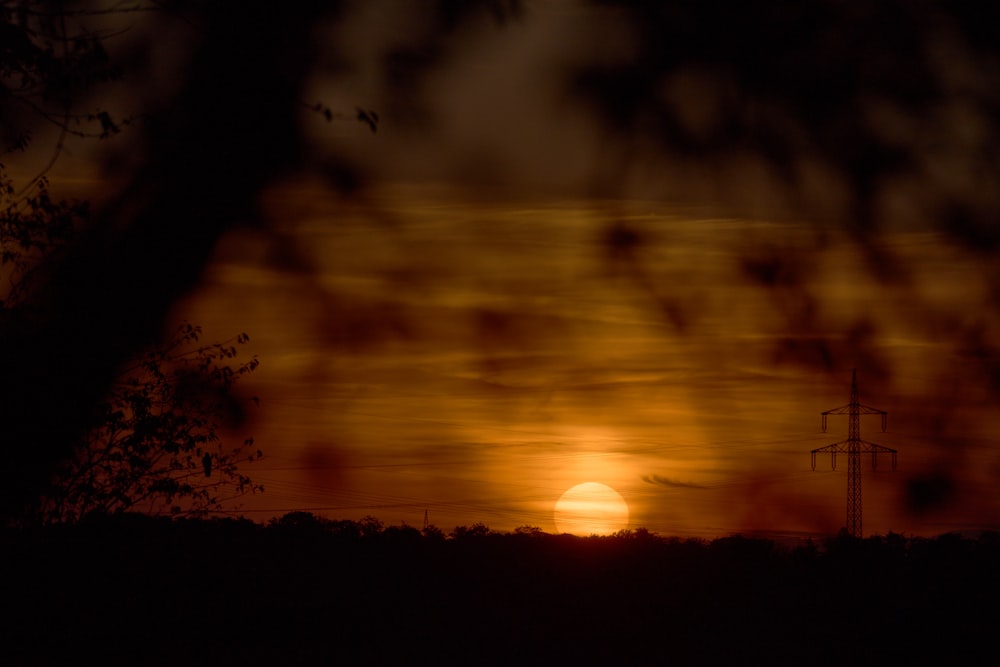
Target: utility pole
{"x": 854, "y": 446}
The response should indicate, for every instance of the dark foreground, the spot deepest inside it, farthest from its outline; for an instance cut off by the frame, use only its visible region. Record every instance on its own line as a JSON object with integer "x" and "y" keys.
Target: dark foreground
{"x": 134, "y": 590}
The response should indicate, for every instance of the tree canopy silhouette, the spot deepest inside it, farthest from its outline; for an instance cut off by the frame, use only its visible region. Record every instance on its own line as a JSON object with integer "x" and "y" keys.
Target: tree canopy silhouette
{"x": 156, "y": 446}
{"x": 87, "y": 436}
{"x": 333, "y": 591}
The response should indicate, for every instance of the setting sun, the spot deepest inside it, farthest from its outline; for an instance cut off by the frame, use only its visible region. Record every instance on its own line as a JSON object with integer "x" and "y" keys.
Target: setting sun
{"x": 591, "y": 509}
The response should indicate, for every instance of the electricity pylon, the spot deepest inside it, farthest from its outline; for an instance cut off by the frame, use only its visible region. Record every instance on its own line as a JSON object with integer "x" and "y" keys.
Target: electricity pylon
{"x": 854, "y": 446}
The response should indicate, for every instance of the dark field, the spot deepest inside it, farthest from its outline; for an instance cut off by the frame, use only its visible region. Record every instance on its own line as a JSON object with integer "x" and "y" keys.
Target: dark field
{"x": 135, "y": 590}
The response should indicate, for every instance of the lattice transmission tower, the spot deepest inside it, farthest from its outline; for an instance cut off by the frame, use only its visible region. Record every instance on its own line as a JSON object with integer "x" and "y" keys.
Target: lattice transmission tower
{"x": 854, "y": 447}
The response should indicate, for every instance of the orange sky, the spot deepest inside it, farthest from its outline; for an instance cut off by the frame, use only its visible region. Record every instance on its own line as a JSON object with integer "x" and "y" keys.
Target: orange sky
{"x": 475, "y": 357}
{"x": 518, "y": 300}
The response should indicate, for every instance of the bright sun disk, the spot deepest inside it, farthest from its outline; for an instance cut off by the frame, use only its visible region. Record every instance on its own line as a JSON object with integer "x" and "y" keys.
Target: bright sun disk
{"x": 591, "y": 509}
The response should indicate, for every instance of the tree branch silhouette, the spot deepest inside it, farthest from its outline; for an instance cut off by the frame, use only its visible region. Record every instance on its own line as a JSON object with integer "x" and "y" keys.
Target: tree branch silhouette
{"x": 156, "y": 446}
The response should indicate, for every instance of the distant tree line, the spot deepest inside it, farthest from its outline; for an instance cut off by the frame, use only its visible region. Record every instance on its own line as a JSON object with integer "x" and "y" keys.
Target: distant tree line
{"x": 303, "y": 589}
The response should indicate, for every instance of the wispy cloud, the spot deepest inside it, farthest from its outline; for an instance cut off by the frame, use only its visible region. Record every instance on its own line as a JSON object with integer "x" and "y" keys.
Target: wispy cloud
{"x": 670, "y": 483}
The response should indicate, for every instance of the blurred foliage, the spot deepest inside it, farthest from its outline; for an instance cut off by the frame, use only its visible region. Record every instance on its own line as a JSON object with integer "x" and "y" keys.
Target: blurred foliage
{"x": 862, "y": 114}
{"x": 152, "y": 442}
{"x": 32, "y": 227}
{"x": 861, "y": 120}
{"x": 154, "y": 445}
{"x": 50, "y": 62}
{"x": 878, "y": 99}
{"x": 194, "y": 167}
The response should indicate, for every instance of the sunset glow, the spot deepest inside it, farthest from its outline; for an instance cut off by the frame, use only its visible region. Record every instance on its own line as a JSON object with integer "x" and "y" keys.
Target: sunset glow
{"x": 478, "y": 381}
{"x": 492, "y": 301}
{"x": 522, "y": 332}
{"x": 591, "y": 509}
